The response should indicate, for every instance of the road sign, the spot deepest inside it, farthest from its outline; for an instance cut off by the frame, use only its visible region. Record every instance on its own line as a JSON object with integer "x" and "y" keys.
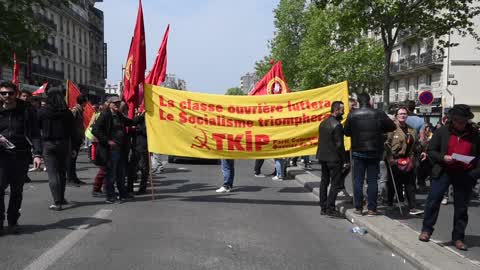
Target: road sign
{"x": 425, "y": 109}
{"x": 425, "y": 97}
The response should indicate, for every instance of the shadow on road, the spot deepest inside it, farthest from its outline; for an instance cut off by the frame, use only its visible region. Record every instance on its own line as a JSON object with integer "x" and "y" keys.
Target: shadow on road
{"x": 68, "y": 224}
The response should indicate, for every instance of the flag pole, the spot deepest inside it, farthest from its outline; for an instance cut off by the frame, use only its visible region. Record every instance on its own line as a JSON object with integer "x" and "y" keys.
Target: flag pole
{"x": 150, "y": 175}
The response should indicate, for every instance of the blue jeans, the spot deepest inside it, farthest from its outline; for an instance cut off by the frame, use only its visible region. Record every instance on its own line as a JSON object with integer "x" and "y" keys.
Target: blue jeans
{"x": 371, "y": 166}
{"x": 228, "y": 170}
{"x": 115, "y": 173}
{"x": 279, "y": 167}
{"x": 462, "y": 191}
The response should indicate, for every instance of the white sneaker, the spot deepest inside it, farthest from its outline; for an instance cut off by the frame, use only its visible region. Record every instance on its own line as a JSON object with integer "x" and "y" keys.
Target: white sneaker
{"x": 416, "y": 211}
{"x": 44, "y": 169}
{"x": 445, "y": 201}
{"x": 276, "y": 178}
{"x": 223, "y": 190}
{"x": 261, "y": 175}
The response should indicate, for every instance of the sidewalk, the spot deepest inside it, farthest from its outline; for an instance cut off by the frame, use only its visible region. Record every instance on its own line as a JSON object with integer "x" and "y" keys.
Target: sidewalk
{"x": 401, "y": 233}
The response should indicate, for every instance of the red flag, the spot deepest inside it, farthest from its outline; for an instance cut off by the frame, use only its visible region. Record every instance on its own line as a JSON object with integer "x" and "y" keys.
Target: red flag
{"x": 72, "y": 93}
{"x": 88, "y": 113}
{"x": 15, "y": 69}
{"x": 157, "y": 74}
{"x": 136, "y": 65}
{"x": 272, "y": 83}
{"x": 40, "y": 90}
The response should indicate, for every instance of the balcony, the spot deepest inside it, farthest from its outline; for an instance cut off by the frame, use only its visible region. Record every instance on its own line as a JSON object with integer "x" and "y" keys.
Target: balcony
{"x": 427, "y": 60}
{"x": 46, "y": 72}
{"x": 45, "y": 21}
{"x": 50, "y": 48}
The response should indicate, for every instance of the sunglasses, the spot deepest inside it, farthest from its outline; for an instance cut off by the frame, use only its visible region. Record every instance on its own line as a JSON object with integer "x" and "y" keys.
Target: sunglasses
{"x": 7, "y": 93}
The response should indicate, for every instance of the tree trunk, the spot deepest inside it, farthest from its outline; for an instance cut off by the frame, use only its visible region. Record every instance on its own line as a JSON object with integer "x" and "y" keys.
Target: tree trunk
{"x": 386, "y": 78}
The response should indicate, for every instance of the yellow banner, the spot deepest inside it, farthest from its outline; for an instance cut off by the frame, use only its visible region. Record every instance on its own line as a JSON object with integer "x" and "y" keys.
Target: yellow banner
{"x": 200, "y": 125}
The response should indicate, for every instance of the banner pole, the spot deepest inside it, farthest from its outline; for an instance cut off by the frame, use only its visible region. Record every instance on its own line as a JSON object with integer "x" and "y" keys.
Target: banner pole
{"x": 150, "y": 175}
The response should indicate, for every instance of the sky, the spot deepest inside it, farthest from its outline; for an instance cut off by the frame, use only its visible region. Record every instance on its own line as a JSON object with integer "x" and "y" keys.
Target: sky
{"x": 212, "y": 43}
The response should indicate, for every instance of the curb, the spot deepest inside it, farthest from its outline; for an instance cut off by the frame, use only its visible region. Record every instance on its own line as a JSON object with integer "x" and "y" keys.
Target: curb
{"x": 398, "y": 237}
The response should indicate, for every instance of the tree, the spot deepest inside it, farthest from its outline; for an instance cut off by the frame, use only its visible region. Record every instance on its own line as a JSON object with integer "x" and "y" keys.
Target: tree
{"x": 428, "y": 18}
{"x": 285, "y": 46}
{"x": 328, "y": 55}
{"x": 235, "y": 91}
{"x": 20, "y": 29}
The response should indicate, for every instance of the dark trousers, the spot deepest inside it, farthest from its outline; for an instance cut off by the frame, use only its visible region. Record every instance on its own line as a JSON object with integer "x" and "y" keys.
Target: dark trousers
{"x": 423, "y": 171}
{"x": 13, "y": 172}
{"x": 372, "y": 167}
{"x": 258, "y": 165}
{"x": 144, "y": 166}
{"x": 72, "y": 164}
{"x": 331, "y": 175}
{"x": 99, "y": 180}
{"x": 55, "y": 155}
{"x": 404, "y": 181}
{"x": 115, "y": 173}
{"x": 462, "y": 192}
{"x": 132, "y": 168}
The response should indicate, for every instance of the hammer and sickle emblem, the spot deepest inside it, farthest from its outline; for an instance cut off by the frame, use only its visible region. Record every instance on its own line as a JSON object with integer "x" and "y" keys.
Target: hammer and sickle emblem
{"x": 202, "y": 141}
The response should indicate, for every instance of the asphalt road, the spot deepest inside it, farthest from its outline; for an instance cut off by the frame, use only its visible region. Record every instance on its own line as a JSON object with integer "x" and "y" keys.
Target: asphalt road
{"x": 261, "y": 225}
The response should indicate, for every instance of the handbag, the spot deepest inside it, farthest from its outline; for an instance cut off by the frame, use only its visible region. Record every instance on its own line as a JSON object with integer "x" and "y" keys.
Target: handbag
{"x": 405, "y": 164}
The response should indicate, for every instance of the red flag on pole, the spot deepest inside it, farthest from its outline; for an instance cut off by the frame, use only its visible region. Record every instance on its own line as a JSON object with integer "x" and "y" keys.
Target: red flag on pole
{"x": 15, "y": 69}
{"x": 136, "y": 65}
{"x": 157, "y": 74}
{"x": 272, "y": 83}
{"x": 40, "y": 90}
{"x": 72, "y": 93}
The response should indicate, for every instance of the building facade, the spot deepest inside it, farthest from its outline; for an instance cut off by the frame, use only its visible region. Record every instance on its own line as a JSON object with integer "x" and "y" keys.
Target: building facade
{"x": 74, "y": 50}
{"x": 452, "y": 73}
{"x": 248, "y": 81}
{"x": 171, "y": 81}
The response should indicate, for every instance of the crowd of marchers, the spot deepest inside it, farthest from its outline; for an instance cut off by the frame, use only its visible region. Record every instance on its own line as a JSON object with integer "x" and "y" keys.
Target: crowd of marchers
{"x": 43, "y": 132}
{"x": 409, "y": 150}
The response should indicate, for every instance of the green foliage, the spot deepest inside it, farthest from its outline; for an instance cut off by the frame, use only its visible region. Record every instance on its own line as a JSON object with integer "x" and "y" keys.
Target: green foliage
{"x": 19, "y": 28}
{"x": 315, "y": 53}
{"x": 330, "y": 56}
{"x": 427, "y": 18}
{"x": 235, "y": 91}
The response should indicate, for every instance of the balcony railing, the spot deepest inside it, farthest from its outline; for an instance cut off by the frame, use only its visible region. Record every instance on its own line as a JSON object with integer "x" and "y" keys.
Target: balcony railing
{"x": 36, "y": 68}
{"x": 51, "y": 48}
{"x": 45, "y": 21}
{"x": 412, "y": 62}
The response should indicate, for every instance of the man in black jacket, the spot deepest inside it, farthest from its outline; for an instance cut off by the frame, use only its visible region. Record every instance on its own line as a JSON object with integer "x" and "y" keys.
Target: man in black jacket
{"x": 458, "y": 137}
{"x": 19, "y": 126}
{"x": 367, "y": 126}
{"x": 110, "y": 131}
{"x": 331, "y": 154}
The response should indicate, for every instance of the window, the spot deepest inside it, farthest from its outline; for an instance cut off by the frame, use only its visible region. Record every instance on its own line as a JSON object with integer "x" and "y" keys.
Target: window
{"x": 85, "y": 59}
{"x": 81, "y": 76}
{"x": 429, "y": 79}
{"x": 69, "y": 71}
{"x": 54, "y": 66}
{"x": 85, "y": 37}
{"x": 68, "y": 50}
{"x": 75, "y": 74}
{"x": 73, "y": 32}
{"x": 47, "y": 63}
{"x": 416, "y": 87}
{"x": 74, "y": 53}
{"x": 61, "y": 24}
{"x": 68, "y": 28}
{"x": 62, "y": 66}
{"x": 395, "y": 83}
{"x": 409, "y": 93}
{"x": 62, "y": 52}
{"x": 80, "y": 35}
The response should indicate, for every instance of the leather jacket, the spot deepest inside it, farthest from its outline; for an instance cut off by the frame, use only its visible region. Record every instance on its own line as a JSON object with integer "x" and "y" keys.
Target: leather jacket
{"x": 330, "y": 141}
{"x": 367, "y": 126}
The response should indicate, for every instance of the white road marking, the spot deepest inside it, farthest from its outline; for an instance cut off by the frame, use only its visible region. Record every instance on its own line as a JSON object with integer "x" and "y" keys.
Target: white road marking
{"x": 56, "y": 252}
